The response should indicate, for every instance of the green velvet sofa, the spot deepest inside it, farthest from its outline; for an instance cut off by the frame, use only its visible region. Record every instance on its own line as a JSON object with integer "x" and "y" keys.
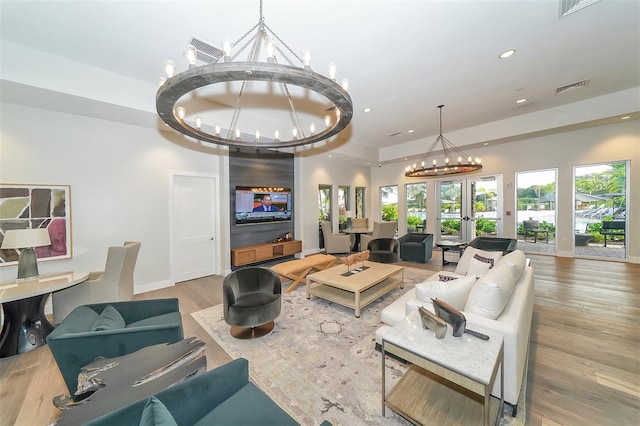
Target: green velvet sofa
{"x": 222, "y": 396}
{"x": 146, "y": 322}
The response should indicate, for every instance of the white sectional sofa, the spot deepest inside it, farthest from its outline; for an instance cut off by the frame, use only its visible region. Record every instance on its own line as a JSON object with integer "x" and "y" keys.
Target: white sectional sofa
{"x": 500, "y": 299}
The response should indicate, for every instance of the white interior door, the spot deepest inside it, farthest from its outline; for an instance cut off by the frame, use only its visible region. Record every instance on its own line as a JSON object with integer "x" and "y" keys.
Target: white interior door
{"x": 195, "y": 245}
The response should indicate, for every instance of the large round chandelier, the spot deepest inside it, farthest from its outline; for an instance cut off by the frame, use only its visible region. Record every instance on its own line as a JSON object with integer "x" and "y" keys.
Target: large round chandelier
{"x": 316, "y": 106}
{"x": 455, "y": 161}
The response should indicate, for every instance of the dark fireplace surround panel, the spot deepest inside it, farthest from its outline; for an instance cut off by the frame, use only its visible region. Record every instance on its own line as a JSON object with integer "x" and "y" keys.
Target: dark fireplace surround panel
{"x": 263, "y": 168}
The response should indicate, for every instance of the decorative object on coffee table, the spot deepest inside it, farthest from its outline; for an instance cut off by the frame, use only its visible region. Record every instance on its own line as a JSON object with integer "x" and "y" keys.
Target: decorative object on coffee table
{"x": 433, "y": 323}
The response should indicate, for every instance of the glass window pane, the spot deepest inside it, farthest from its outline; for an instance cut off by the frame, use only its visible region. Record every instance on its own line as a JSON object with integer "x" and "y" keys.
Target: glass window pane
{"x": 360, "y": 192}
{"x": 389, "y": 202}
{"x": 536, "y": 210}
{"x": 416, "y": 201}
{"x": 600, "y": 195}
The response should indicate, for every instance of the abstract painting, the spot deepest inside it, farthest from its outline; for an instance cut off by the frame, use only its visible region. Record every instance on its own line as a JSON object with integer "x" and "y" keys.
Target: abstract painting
{"x": 36, "y": 206}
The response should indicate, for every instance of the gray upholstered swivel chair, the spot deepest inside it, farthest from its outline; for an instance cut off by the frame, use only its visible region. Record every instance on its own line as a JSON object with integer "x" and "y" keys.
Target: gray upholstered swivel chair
{"x": 113, "y": 284}
{"x": 335, "y": 243}
{"x": 251, "y": 301}
{"x": 383, "y": 250}
{"x": 380, "y": 230}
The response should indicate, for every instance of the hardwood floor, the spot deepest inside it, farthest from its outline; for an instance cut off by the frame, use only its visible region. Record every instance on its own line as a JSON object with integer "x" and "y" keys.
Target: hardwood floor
{"x": 584, "y": 363}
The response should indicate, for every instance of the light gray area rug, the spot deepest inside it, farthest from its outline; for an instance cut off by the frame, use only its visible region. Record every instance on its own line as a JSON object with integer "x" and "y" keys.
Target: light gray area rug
{"x": 320, "y": 363}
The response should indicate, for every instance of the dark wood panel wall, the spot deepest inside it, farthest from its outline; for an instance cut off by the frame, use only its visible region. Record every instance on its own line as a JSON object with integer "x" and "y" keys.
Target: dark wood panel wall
{"x": 259, "y": 167}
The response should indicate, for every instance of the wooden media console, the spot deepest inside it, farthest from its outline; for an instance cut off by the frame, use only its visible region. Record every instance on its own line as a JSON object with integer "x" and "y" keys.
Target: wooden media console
{"x": 263, "y": 252}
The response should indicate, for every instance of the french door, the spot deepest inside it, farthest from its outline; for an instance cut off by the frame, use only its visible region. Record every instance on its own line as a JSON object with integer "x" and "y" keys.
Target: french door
{"x": 468, "y": 208}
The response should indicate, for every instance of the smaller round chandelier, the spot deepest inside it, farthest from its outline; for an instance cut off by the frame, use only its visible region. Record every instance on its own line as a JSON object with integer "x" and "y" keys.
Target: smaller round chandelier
{"x": 462, "y": 164}
{"x": 225, "y": 86}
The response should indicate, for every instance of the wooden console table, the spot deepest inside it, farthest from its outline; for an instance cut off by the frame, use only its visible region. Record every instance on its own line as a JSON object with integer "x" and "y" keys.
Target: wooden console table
{"x": 263, "y": 252}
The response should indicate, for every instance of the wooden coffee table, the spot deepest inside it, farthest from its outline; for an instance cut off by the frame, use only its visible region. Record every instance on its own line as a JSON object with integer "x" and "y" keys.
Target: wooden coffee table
{"x": 356, "y": 290}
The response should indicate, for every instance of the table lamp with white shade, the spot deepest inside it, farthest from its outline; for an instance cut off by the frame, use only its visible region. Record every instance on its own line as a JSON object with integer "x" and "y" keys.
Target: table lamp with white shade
{"x": 25, "y": 240}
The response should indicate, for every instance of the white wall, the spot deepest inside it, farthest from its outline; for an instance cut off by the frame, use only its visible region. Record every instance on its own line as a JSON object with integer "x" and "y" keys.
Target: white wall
{"x": 119, "y": 177}
{"x": 610, "y": 143}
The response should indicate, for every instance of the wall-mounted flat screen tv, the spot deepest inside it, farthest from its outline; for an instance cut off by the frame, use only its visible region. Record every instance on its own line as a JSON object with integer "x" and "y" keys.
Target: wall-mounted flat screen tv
{"x": 262, "y": 204}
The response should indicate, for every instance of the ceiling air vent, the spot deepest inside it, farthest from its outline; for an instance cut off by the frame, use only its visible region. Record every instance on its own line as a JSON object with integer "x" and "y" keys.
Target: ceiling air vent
{"x": 572, "y": 86}
{"x": 396, "y": 134}
{"x": 207, "y": 54}
{"x": 567, "y": 7}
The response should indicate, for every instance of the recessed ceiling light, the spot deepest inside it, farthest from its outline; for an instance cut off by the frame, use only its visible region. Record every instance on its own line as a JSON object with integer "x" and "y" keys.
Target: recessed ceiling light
{"x": 626, "y": 117}
{"x": 486, "y": 143}
{"x": 505, "y": 55}
{"x": 367, "y": 109}
{"x": 410, "y": 131}
{"x": 330, "y": 156}
{"x": 521, "y": 101}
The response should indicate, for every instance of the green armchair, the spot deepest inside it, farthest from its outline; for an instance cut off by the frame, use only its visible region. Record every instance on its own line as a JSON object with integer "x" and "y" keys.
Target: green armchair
{"x": 505, "y": 245}
{"x": 416, "y": 247}
{"x": 142, "y": 323}
{"x": 222, "y": 396}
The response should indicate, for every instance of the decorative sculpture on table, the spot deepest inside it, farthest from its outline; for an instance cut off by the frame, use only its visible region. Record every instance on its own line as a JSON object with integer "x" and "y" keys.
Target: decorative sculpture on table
{"x": 353, "y": 259}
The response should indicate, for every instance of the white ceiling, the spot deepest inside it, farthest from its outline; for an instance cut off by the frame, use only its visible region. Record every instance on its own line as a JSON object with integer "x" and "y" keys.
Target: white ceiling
{"x": 402, "y": 58}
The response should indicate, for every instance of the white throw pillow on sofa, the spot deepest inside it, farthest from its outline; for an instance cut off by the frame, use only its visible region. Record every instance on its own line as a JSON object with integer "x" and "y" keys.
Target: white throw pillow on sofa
{"x": 492, "y": 291}
{"x": 463, "y": 265}
{"x": 454, "y": 292}
{"x": 517, "y": 260}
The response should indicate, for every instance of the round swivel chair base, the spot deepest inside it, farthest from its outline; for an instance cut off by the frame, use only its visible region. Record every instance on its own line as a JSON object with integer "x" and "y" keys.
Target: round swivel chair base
{"x": 252, "y": 332}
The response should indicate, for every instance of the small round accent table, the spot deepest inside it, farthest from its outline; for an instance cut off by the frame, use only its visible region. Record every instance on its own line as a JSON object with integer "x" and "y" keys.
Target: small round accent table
{"x": 446, "y": 245}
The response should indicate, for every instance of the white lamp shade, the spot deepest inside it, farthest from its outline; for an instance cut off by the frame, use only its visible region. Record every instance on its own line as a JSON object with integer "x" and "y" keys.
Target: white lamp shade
{"x": 25, "y": 238}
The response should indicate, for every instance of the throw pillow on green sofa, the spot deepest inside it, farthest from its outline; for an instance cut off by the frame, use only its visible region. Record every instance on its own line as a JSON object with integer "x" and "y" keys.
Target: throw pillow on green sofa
{"x": 156, "y": 414}
{"x": 109, "y": 319}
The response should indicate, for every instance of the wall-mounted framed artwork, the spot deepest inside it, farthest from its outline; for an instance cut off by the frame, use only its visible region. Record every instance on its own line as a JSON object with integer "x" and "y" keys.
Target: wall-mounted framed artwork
{"x": 37, "y": 206}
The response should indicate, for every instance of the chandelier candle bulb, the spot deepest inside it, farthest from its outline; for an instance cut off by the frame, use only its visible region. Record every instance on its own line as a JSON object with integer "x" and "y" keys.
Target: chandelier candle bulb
{"x": 169, "y": 68}
{"x": 271, "y": 49}
{"x": 277, "y": 135}
{"x": 327, "y": 121}
{"x": 226, "y": 48}
{"x": 306, "y": 58}
{"x": 198, "y": 123}
{"x": 257, "y": 136}
{"x": 237, "y": 134}
{"x": 180, "y": 111}
{"x": 332, "y": 71}
{"x": 295, "y": 133}
{"x": 312, "y": 128}
{"x": 217, "y": 129}
{"x": 345, "y": 84}
{"x": 191, "y": 55}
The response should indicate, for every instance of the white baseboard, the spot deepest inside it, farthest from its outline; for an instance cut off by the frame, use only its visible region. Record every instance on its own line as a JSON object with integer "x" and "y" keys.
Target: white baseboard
{"x": 152, "y": 286}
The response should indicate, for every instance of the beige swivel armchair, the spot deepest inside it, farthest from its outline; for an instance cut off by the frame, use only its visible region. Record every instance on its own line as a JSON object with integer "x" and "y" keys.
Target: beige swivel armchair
{"x": 114, "y": 284}
{"x": 380, "y": 230}
{"x": 335, "y": 243}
